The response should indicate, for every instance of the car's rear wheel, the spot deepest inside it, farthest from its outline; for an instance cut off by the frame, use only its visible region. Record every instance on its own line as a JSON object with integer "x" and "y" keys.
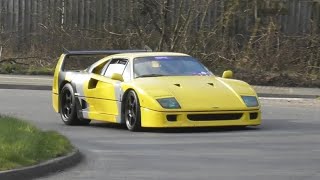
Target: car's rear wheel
{"x": 68, "y": 109}
{"x": 132, "y": 111}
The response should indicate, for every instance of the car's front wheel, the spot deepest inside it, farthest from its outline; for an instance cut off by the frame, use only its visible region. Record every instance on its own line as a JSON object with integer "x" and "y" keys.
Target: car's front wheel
{"x": 132, "y": 111}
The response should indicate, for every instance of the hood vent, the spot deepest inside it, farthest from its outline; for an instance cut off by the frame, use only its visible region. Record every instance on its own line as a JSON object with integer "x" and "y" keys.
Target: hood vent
{"x": 177, "y": 85}
{"x": 211, "y": 84}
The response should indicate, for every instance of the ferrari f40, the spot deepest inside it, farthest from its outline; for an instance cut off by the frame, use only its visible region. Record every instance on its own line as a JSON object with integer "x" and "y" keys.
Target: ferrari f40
{"x": 151, "y": 89}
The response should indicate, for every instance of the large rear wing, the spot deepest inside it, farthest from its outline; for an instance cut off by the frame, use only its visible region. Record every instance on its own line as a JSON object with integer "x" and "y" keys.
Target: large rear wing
{"x": 85, "y": 57}
{"x": 102, "y": 52}
{"x": 88, "y": 57}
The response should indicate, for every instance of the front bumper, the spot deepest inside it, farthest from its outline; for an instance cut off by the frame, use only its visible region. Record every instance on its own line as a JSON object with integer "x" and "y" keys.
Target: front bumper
{"x": 156, "y": 119}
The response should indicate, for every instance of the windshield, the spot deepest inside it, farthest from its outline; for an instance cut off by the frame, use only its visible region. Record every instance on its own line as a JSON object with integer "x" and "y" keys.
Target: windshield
{"x": 168, "y": 66}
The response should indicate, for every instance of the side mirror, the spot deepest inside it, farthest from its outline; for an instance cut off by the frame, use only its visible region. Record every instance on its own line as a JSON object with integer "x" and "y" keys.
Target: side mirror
{"x": 227, "y": 74}
{"x": 117, "y": 77}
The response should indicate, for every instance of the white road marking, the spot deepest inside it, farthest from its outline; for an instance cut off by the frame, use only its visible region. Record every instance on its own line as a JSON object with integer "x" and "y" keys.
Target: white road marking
{"x": 25, "y": 78}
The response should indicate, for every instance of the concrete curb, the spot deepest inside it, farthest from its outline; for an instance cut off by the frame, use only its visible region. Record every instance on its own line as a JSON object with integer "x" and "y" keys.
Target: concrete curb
{"x": 287, "y": 96}
{"x": 43, "y": 169}
{"x": 287, "y": 92}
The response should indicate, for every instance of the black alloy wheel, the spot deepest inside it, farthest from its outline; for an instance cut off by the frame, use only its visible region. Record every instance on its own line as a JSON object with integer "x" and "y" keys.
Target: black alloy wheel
{"x": 68, "y": 109}
{"x": 132, "y": 111}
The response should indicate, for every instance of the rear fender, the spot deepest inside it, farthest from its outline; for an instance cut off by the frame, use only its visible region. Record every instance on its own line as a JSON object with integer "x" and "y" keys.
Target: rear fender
{"x": 57, "y": 83}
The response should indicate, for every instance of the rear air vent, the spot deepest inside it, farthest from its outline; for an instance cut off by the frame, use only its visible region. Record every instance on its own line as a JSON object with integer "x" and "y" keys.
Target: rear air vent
{"x": 92, "y": 83}
{"x": 214, "y": 117}
{"x": 84, "y": 104}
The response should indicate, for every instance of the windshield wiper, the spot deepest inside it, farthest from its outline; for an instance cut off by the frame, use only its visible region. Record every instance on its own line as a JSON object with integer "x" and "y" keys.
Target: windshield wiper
{"x": 150, "y": 75}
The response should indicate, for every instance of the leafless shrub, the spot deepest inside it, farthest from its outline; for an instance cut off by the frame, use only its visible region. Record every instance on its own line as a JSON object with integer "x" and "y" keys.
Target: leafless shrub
{"x": 238, "y": 38}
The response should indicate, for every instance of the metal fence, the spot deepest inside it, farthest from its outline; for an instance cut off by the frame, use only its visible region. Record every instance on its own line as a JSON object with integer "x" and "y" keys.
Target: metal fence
{"x": 30, "y": 16}
{"x": 26, "y": 20}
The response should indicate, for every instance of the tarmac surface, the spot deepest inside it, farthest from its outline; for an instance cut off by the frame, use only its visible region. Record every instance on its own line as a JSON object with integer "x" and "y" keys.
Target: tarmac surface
{"x": 285, "y": 147}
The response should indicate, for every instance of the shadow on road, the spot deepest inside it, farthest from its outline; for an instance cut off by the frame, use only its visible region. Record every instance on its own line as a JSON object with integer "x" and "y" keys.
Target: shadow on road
{"x": 200, "y": 129}
{"x": 176, "y": 130}
{"x": 108, "y": 125}
{"x": 267, "y": 125}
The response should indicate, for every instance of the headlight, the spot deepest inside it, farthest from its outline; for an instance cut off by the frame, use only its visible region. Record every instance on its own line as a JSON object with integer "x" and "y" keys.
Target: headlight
{"x": 169, "y": 103}
{"x": 251, "y": 101}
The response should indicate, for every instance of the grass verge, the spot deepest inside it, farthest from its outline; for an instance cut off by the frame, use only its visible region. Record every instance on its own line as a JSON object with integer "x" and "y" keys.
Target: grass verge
{"x": 22, "y": 144}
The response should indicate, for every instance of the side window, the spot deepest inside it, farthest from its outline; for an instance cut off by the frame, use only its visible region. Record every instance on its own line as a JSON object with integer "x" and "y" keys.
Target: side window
{"x": 115, "y": 66}
{"x": 98, "y": 69}
{"x": 127, "y": 73}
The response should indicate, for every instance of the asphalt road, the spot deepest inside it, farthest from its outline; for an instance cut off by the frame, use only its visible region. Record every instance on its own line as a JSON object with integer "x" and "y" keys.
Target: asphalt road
{"x": 285, "y": 147}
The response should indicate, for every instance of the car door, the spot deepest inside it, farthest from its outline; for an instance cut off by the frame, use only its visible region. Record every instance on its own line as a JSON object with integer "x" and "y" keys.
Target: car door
{"x": 103, "y": 94}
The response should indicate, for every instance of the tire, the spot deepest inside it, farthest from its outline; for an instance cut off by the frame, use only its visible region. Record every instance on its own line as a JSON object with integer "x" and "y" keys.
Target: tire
{"x": 68, "y": 109}
{"x": 132, "y": 112}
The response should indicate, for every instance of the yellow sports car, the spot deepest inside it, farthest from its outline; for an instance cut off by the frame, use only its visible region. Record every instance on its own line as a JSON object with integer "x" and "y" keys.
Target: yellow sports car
{"x": 151, "y": 89}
